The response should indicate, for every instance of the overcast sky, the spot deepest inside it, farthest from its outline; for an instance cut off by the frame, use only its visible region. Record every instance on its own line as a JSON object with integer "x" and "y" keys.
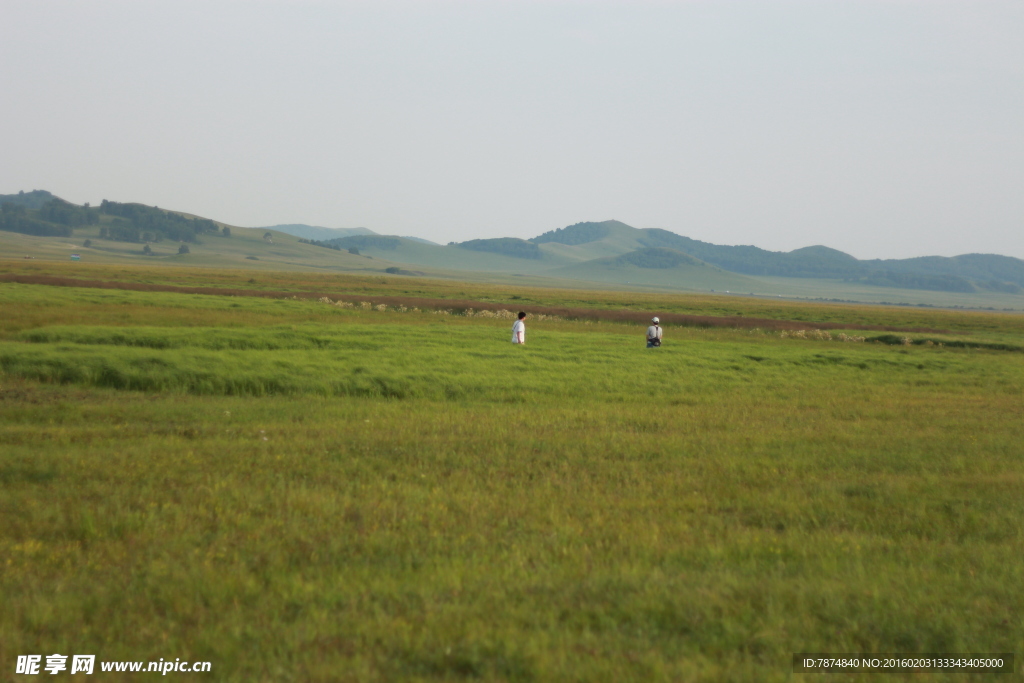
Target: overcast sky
{"x": 883, "y": 128}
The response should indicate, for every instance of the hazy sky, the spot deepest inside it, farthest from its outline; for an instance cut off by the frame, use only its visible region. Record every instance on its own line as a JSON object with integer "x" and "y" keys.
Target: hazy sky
{"x": 886, "y": 129}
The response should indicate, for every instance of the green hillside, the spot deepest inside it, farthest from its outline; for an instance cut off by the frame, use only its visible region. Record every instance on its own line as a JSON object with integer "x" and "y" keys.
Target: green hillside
{"x": 606, "y": 253}
{"x": 658, "y": 267}
{"x": 649, "y": 258}
{"x": 590, "y": 241}
{"x": 574, "y": 244}
{"x": 967, "y": 273}
{"x": 133, "y": 233}
{"x": 657, "y": 257}
{"x": 814, "y": 261}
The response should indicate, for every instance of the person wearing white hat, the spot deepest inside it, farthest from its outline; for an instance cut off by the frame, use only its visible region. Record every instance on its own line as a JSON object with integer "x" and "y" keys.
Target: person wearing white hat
{"x": 654, "y": 333}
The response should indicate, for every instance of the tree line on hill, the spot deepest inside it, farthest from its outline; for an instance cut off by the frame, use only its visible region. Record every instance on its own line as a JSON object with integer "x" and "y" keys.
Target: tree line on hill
{"x": 41, "y": 214}
{"x": 330, "y": 244}
{"x": 318, "y": 243}
{"x": 17, "y": 218}
{"x": 140, "y": 223}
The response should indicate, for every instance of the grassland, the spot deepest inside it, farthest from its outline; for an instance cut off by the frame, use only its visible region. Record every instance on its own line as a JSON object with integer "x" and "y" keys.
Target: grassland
{"x": 306, "y": 284}
{"x": 299, "y": 491}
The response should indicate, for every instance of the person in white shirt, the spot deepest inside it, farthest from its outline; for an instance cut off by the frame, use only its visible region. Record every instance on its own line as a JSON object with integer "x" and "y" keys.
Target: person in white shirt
{"x": 519, "y": 329}
{"x": 654, "y": 333}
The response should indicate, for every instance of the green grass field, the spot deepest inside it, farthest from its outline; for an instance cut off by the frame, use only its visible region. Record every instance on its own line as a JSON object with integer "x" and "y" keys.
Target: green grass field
{"x": 298, "y": 491}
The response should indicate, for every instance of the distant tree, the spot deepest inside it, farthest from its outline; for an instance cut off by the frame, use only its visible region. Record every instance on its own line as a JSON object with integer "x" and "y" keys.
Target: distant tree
{"x": 183, "y": 249}
{"x": 147, "y": 251}
{"x": 354, "y": 250}
{"x": 269, "y": 237}
{"x": 226, "y": 231}
{"x": 87, "y": 243}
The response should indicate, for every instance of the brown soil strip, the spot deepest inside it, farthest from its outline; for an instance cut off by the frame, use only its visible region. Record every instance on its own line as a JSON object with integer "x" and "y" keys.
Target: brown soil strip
{"x": 638, "y": 317}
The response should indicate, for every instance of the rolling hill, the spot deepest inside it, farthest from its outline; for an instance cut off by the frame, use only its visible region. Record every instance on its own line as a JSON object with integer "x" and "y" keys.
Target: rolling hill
{"x": 604, "y": 253}
{"x": 659, "y": 267}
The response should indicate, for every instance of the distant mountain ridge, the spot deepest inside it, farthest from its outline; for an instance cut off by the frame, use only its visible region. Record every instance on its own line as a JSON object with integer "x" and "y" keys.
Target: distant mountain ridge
{"x": 321, "y": 234}
{"x": 965, "y": 273}
{"x": 605, "y": 251}
{"x": 613, "y": 244}
{"x": 316, "y": 232}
